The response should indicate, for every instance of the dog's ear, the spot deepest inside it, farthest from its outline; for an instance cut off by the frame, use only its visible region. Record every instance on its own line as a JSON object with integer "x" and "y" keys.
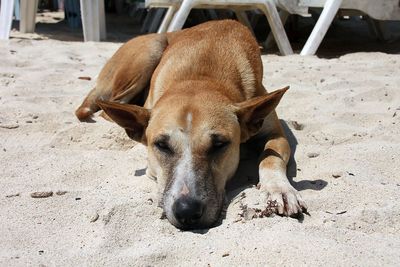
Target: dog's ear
{"x": 251, "y": 113}
{"x": 133, "y": 119}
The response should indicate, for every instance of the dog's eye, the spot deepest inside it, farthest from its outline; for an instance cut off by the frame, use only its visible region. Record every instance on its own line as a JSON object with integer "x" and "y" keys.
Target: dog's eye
{"x": 163, "y": 146}
{"x": 219, "y": 145}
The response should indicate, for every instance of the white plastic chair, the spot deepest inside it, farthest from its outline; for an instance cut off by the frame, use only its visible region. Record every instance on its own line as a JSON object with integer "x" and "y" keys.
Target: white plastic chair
{"x": 173, "y": 6}
{"x": 238, "y": 6}
{"x": 28, "y": 9}
{"x": 93, "y": 18}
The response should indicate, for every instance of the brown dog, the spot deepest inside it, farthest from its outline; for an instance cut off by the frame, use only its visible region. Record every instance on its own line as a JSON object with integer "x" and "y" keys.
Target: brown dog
{"x": 197, "y": 96}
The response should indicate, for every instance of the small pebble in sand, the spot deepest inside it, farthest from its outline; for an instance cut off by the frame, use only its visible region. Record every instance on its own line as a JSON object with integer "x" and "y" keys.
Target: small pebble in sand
{"x": 86, "y": 78}
{"x": 28, "y": 121}
{"x": 42, "y": 194}
{"x": 61, "y": 192}
{"x": 35, "y": 117}
{"x": 94, "y": 217}
{"x": 322, "y": 80}
{"x": 10, "y": 126}
{"x": 312, "y": 154}
{"x": 297, "y": 126}
{"x": 13, "y": 195}
{"x": 337, "y": 174}
{"x": 238, "y": 220}
{"x": 163, "y": 216}
{"x": 226, "y": 254}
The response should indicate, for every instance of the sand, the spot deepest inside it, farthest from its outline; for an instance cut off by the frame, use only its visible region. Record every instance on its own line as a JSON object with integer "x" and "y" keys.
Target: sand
{"x": 103, "y": 209}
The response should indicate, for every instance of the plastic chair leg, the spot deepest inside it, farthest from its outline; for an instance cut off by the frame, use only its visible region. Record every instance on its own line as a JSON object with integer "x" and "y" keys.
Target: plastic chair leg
{"x": 242, "y": 17}
{"x": 6, "y": 13}
{"x": 167, "y": 19}
{"x": 181, "y": 15}
{"x": 93, "y": 20}
{"x": 270, "y": 41}
{"x": 28, "y": 15}
{"x": 331, "y": 7}
{"x": 277, "y": 28}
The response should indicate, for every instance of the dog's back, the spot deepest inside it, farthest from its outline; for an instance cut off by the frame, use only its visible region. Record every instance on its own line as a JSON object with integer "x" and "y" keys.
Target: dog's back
{"x": 223, "y": 51}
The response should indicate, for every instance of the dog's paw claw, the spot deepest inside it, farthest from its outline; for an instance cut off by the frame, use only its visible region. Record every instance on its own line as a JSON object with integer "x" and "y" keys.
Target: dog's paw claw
{"x": 288, "y": 201}
{"x": 280, "y": 199}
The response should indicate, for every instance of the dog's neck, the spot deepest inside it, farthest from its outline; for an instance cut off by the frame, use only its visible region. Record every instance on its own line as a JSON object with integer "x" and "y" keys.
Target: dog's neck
{"x": 211, "y": 89}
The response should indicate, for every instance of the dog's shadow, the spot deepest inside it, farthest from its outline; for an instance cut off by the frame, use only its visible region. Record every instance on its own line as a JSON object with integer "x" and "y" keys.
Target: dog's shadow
{"x": 247, "y": 174}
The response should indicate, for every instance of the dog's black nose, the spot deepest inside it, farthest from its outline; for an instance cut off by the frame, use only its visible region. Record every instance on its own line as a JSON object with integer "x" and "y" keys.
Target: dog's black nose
{"x": 188, "y": 211}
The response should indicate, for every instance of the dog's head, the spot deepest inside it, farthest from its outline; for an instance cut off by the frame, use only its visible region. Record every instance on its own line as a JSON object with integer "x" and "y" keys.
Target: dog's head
{"x": 193, "y": 145}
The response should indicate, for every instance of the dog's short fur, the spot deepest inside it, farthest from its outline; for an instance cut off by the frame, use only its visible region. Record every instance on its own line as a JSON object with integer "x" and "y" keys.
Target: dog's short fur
{"x": 202, "y": 97}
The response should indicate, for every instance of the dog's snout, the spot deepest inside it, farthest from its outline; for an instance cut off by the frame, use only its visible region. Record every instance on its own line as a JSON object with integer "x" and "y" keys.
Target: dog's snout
{"x": 188, "y": 211}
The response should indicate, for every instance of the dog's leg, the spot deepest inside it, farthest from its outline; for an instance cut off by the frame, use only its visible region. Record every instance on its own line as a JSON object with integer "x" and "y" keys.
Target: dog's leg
{"x": 274, "y": 184}
{"x": 126, "y": 74}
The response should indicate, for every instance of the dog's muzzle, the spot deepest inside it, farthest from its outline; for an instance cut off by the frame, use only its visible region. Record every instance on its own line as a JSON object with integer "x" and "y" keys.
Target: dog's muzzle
{"x": 188, "y": 211}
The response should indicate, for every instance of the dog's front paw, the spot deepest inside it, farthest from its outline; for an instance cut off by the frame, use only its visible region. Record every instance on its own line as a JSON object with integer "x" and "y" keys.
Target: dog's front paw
{"x": 283, "y": 198}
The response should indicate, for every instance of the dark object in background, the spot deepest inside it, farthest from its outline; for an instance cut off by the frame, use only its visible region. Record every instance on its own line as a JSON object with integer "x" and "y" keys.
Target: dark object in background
{"x": 71, "y": 8}
{"x": 72, "y": 11}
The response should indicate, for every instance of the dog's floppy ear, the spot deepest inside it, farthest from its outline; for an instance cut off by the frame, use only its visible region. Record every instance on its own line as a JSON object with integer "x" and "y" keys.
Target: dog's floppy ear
{"x": 133, "y": 119}
{"x": 251, "y": 113}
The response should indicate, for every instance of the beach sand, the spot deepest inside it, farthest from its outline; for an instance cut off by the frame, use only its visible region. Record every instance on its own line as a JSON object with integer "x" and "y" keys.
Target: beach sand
{"x": 103, "y": 209}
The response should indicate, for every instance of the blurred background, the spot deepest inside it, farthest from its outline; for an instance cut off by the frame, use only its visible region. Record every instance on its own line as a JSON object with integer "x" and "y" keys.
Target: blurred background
{"x": 350, "y": 31}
